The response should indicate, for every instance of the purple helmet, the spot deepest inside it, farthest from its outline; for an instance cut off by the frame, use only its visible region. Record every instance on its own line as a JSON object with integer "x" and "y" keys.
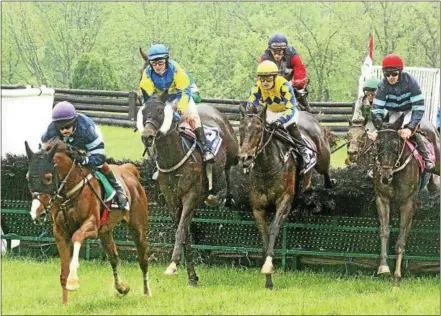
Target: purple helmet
{"x": 63, "y": 111}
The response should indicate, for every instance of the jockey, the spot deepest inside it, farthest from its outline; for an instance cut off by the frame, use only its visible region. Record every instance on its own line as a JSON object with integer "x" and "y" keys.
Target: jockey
{"x": 80, "y": 131}
{"x": 290, "y": 66}
{"x": 398, "y": 93}
{"x": 166, "y": 74}
{"x": 362, "y": 109}
{"x": 276, "y": 94}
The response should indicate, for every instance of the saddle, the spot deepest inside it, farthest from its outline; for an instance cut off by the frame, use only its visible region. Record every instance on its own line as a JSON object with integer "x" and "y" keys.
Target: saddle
{"x": 212, "y": 136}
{"x": 417, "y": 155}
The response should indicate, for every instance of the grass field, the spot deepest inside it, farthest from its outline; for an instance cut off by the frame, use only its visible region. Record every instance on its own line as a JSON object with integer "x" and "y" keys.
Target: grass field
{"x": 123, "y": 143}
{"x": 32, "y": 288}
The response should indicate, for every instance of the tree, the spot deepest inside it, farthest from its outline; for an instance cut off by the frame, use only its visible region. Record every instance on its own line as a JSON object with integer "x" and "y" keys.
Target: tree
{"x": 91, "y": 71}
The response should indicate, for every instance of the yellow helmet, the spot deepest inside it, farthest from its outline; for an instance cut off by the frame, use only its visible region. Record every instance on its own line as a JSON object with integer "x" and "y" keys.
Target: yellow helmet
{"x": 267, "y": 68}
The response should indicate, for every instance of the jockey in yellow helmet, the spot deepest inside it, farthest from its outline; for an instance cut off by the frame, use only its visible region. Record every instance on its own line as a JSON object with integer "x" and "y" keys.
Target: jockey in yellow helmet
{"x": 276, "y": 94}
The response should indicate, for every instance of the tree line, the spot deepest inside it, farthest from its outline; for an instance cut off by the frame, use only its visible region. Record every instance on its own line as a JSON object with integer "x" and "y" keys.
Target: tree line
{"x": 95, "y": 45}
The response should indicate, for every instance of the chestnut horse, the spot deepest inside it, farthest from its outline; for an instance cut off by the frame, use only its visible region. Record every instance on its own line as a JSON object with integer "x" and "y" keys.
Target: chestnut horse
{"x": 396, "y": 178}
{"x": 71, "y": 195}
{"x": 274, "y": 176}
{"x": 182, "y": 177}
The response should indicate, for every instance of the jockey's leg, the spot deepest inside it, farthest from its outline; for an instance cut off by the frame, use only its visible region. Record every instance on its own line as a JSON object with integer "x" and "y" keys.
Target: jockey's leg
{"x": 301, "y": 95}
{"x": 120, "y": 196}
{"x": 196, "y": 124}
{"x": 301, "y": 145}
{"x": 429, "y": 165}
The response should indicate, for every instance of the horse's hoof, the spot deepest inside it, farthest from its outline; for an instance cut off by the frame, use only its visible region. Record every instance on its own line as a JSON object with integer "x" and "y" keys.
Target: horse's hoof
{"x": 123, "y": 288}
{"x": 229, "y": 202}
{"x": 267, "y": 269}
{"x": 72, "y": 284}
{"x": 171, "y": 269}
{"x": 383, "y": 270}
{"x": 193, "y": 283}
{"x": 211, "y": 200}
{"x": 333, "y": 181}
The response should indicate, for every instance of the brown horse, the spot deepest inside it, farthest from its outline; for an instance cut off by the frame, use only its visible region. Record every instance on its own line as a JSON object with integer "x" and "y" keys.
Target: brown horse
{"x": 70, "y": 194}
{"x": 182, "y": 177}
{"x": 360, "y": 151}
{"x": 274, "y": 178}
{"x": 396, "y": 178}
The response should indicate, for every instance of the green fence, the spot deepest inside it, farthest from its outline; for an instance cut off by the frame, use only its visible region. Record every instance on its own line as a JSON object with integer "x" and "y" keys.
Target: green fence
{"x": 326, "y": 227}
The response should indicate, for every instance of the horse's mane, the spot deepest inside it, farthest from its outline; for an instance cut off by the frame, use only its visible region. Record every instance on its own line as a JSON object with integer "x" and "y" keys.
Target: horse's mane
{"x": 62, "y": 146}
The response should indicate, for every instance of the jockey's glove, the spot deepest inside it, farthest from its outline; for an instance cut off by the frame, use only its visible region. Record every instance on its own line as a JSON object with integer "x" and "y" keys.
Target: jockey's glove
{"x": 177, "y": 115}
{"x": 79, "y": 157}
{"x": 275, "y": 125}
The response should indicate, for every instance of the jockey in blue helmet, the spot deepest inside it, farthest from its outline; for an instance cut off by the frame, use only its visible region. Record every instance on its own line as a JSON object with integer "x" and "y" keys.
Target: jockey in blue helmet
{"x": 163, "y": 74}
{"x": 80, "y": 131}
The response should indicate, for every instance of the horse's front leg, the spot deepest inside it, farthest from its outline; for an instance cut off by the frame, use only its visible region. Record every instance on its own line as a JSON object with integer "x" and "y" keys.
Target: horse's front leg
{"x": 383, "y": 209}
{"x": 282, "y": 209}
{"x": 189, "y": 203}
{"x": 407, "y": 211}
{"x": 64, "y": 249}
{"x": 229, "y": 201}
{"x": 88, "y": 229}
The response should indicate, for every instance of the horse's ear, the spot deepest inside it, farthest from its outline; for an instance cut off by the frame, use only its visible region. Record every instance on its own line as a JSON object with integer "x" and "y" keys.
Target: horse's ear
{"x": 29, "y": 151}
{"x": 52, "y": 151}
{"x": 163, "y": 97}
{"x": 398, "y": 123}
{"x": 144, "y": 55}
{"x": 144, "y": 94}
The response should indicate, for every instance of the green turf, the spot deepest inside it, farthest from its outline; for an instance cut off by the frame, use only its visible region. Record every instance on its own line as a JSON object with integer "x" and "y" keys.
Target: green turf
{"x": 32, "y": 288}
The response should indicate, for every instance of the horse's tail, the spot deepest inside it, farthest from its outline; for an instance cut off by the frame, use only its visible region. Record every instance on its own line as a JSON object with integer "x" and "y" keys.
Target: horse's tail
{"x": 132, "y": 168}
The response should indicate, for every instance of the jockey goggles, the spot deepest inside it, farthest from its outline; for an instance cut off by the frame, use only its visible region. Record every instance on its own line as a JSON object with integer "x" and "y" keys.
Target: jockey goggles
{"x": 391, "y": 73}
{"x": 266, "y": 78}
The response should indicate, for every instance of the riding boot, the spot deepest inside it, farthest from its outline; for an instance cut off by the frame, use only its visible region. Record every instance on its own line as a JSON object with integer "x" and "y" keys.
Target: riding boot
{"x": 429, "y": 165}
{"x": 208, "y": 155}
{"x": 301, "y": 145}
{"x": 120, "y": 197}
{"x": 301, "y": 99}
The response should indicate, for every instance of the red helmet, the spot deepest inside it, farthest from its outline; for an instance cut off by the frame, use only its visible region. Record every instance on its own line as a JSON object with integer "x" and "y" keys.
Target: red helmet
{"x": 393, "y": 61}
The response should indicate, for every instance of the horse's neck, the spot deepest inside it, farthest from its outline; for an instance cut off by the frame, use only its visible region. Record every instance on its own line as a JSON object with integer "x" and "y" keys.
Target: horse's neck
{"x": 269, "y": 158}
{"x": 74, "y": 177}
{"x": 169, "y": 150}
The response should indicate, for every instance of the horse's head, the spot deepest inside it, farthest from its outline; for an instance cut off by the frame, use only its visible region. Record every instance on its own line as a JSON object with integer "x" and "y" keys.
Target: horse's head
{"x": 42, "y": 181}
{"x": 157, "y": 118}
{"x": 251, "y": 131}
{"x": 357, "y": 140}
{"x": 389, "y": 148}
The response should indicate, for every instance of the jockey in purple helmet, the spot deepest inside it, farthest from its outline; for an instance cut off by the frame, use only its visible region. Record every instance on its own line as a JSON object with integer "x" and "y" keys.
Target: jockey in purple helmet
{"x": 80, "y": 131}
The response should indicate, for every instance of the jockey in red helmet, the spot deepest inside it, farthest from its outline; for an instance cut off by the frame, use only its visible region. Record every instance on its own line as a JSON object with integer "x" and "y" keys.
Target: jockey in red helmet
{"x": 80, "y": 131}
{"x": 290, "y": 66}
{"x": 399, "y": 93}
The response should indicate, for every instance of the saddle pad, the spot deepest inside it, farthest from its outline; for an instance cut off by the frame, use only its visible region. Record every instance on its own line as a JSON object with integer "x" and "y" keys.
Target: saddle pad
{"x": 418, "y": 156}
{"x": 312, "y": 154}
{"x": 109, "y": 191}
{"x": 212, "y": 135}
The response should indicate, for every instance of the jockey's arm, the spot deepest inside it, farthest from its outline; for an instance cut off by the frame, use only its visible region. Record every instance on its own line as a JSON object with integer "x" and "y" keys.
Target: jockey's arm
{"x": 183, "y": 93}
{"x": 95, "y": 147}
{"x": 51, "y": 132}
{"x": 379, "y": 111}
{"x": 255, "y": 96}
{"x": 299, "y": 79}
{"x": 417, "y": 99}
{"x": 147, "y": 85}
{"x": 287, "y": 94}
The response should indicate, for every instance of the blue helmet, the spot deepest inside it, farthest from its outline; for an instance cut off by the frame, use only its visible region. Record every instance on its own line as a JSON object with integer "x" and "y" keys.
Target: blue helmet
{"x": 278, "y": 40}
{"x": 157, "y": 51}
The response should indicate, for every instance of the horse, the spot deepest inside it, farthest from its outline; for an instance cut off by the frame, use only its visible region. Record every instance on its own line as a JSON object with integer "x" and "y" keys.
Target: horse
{"x": 395, "y": 179}
{"x": 71, "y": 195}
{"x": 359, "y": 146}
{"x": 274, "y": 175}
{"x": 182, "y": 178}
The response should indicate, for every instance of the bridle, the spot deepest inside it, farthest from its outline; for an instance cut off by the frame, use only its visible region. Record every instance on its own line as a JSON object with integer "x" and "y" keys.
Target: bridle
{"x": 397, "y": 166}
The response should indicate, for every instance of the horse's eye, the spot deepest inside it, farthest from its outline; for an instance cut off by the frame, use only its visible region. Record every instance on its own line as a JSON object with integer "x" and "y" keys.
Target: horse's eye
{"x": 48, "y": 178}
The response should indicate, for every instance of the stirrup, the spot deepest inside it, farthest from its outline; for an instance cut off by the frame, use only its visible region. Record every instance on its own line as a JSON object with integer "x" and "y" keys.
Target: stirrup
{"x": 208, "y": 156}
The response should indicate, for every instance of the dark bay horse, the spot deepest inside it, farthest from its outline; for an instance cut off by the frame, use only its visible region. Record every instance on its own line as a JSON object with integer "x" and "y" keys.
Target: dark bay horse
{"x": 68, "y": 193}
{"x": 274, "y": 178}
{"x": 182, "y": 177}
{"x": 396, "y": 177}
{"x": 359, "y": 147}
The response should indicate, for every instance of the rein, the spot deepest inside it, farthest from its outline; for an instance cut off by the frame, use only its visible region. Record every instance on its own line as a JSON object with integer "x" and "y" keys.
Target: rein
{"x": 397, "y": 165}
